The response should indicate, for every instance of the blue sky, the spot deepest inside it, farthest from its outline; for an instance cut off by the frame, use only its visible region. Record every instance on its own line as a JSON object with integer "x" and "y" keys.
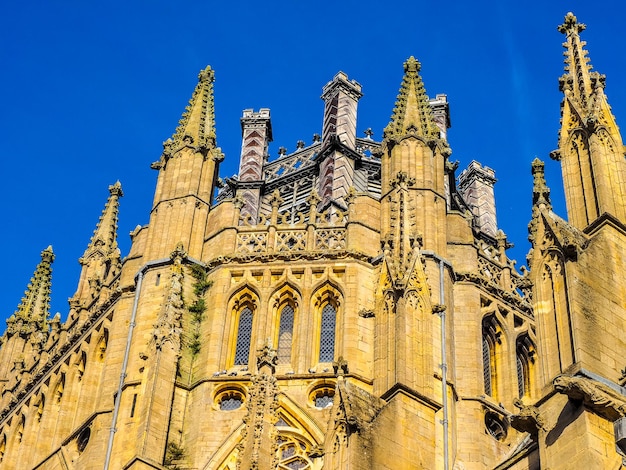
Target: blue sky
{"x": 91, "y": 90}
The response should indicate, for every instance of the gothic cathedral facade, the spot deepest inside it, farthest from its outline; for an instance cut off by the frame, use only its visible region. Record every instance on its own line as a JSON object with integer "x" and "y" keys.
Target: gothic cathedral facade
{"x": 349, "y": 305}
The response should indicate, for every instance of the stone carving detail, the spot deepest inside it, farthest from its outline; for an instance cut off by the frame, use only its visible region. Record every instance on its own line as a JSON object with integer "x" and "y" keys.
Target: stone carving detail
{"x": 528, "y": 419}
{"x": 169, "y": 327}
{"x": 340, "y": 367}
{"x": 259, "y": 429}
{"x": 353, "y": 413}
{"x": 291, "y": 240}
{"x": 599, "y": 398}
{"x": 401, "y": 245}
{"x": 290, "y": 163}
{"x": 330, "y": 239}
{"x": 267, "y": 357}
{"x": 286, "y": 241}
{"x": 252, "y": 242}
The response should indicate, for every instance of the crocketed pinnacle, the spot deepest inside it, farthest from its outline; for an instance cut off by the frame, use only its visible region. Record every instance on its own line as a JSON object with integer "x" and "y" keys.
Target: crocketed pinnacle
{"x": 197, "y": 126}
{"x": 578, "y": 82}
{"x": 33, "y": 310}
{"x": 104, "y": 239}
{"x": 412, "y": 112}
{"x": 590, "y": 143}
{"x": 541, "y": 191}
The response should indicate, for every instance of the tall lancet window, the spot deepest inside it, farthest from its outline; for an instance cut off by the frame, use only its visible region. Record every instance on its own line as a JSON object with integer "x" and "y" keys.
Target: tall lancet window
{"x": 244, "y": 335}
{"x": 285, "y": 335}
{"x": 491, "y": 340}
{"x": 524, "y": 359}
{"x": 487, "y": 365}
{"x": 327, "y": 333}
{"x": 522, "y": 374}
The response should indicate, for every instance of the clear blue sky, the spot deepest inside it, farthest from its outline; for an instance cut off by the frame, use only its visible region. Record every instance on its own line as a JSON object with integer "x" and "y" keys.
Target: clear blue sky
{"x": 91, "y": 90}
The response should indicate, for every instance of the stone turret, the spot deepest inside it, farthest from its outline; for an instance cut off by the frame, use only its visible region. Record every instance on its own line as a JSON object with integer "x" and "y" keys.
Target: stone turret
{"x": 476, "y": 186}
{"x": 256, "y": 129}
{"x": 338, "y": 139}
{"x": 340, "y": 104}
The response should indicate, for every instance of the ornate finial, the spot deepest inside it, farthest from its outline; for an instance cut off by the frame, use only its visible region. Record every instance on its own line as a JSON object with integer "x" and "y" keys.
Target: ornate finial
{"x": 316, "y": 137}
{"x": 541, "y": 191}
{"x": 275, "y": 199}
{"x": 300, "y": 144}
{"x": 314, "y": 198}
{"x": 368, "y": 133}
{"x": 282, "y": 151}
{"x": 571, "y": 24}
{"x": 47, "y": 255}
{"x": 116, "y": 189}
{"x": 206, "y": 75}
{"x": 412, "y": 65}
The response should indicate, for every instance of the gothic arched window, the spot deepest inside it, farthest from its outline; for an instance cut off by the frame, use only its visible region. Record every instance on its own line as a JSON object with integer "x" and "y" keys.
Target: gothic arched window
{"x": 327, "y": 333}
{"x": 524, "y": 358}
{"x": 244, "y": 336}
{"x": 522, "y": 375}
{"x": 285, "y": 335}
{"x": 491, "y": 333}
{"x": 487, "y": 372}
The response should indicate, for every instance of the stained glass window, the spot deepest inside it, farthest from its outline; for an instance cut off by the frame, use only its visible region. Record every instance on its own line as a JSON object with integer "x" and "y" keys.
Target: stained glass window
{"x": 327, "y": 334}
{"x": 285, "y": 335}
{"x": 244, "y": 334}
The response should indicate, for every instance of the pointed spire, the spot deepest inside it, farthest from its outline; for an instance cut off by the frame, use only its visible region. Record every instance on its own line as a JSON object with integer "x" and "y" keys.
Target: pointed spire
{"x": 590, "y": 149}
{"x": 104, "y": 239}
{"x": 578, "y": 79}
{"x": 412, "y": 112}
{"x": 33, "y": 310}
{"x": 541, "y": 191}
{"x": 197, "y": 125}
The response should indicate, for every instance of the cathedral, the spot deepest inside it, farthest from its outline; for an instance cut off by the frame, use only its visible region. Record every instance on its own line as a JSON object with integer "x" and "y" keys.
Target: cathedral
{"x": 349, "y": 305}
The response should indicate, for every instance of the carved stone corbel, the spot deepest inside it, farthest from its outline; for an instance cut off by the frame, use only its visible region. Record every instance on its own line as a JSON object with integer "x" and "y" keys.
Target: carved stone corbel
{"x": 529, "y": 419}
{"x": 599, "y": 398}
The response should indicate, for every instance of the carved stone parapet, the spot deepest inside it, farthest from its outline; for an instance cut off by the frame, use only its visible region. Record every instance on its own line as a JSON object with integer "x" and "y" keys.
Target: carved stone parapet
{"x": 599, "y": 398}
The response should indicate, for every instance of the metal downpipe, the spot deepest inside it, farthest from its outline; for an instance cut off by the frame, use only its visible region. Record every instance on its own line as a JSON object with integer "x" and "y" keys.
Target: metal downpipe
{"x": 118, "y": 396}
